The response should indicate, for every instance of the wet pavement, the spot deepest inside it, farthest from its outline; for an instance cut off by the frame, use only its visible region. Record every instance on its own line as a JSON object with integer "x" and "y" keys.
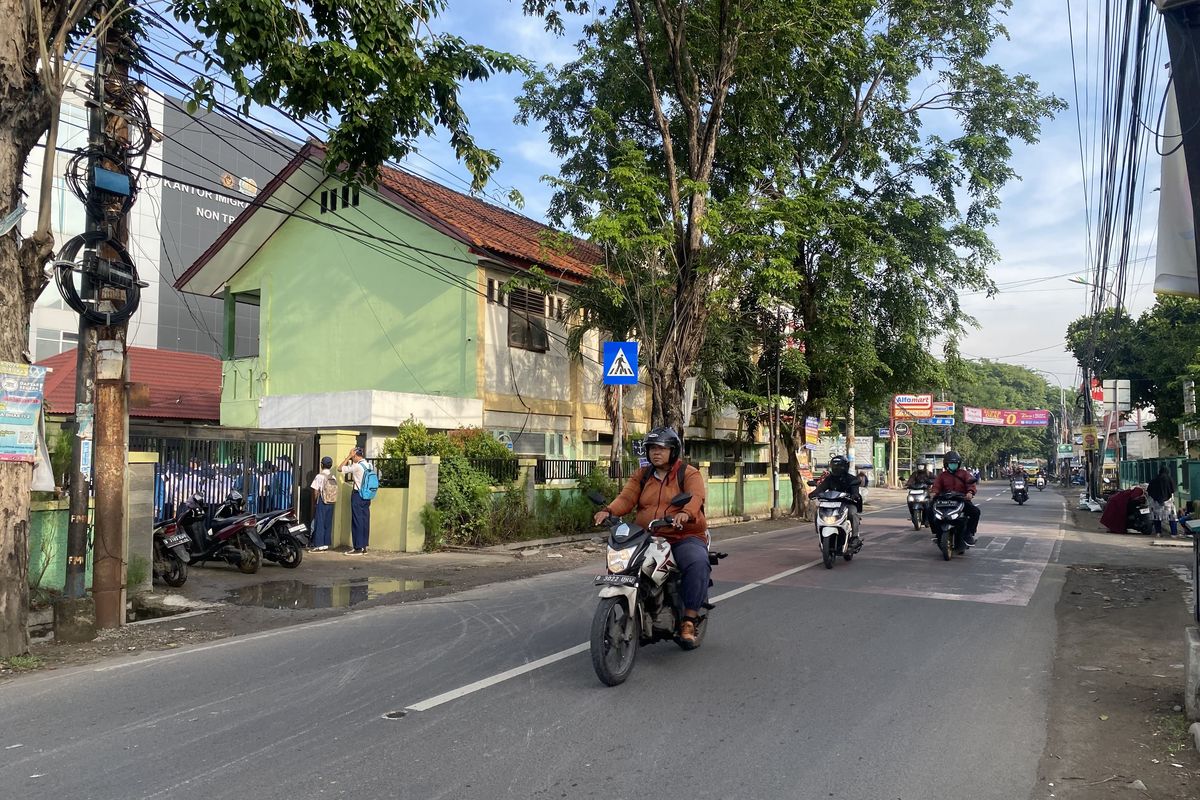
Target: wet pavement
{"x": 341, "y": 593}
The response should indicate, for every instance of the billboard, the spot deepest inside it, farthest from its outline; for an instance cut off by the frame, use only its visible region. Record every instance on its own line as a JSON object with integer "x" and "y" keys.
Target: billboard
{"x": 912, "y": 406}
{"x": 1006, "y": 417}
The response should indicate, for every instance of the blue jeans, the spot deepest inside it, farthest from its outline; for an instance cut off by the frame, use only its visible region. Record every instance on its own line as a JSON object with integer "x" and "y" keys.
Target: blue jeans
{"x": 323, "y": 524}
{"x": 691, "y": 556}
{"x": 360, "y": 521}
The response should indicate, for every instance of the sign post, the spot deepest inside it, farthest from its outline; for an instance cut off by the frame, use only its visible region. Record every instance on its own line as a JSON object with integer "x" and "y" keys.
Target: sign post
{"x": 620, "y": 370}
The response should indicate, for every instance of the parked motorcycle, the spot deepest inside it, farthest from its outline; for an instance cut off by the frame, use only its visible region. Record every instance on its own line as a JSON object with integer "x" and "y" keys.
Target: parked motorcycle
{"x": 835, "y": 526}
{"x": 284, "y": 536}
{"x": 641, "y": 601}
{"x": 1137, "y": 515}
{"x": 949, "y": 524}
{"x": 916, "y": 507}
{"x": 1019, "y": 492}
{"x": 1041, "y": 482}
{"x": 234, "y": 540}
{"x": 170, "y": 553}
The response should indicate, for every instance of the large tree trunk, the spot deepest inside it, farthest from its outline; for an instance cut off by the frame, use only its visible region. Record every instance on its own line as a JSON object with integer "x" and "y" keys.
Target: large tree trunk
{"x": 25, "y": 118}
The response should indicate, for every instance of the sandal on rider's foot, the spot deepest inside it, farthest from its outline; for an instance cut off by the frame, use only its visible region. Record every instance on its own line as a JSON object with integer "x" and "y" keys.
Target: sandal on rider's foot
{"x": 687, "y": 632}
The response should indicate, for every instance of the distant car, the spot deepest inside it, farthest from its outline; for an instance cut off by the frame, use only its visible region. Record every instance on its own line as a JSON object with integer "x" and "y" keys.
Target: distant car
{"x": 1078, "y": 480}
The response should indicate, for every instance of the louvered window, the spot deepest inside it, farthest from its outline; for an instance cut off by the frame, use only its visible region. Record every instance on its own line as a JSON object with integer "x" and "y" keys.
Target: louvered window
{"x": 527, "y": 320}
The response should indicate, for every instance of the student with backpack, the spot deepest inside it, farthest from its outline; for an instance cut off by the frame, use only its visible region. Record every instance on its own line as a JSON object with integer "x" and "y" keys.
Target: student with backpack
{"x": 366, "y": 484}
{"x": 325, "y": 494}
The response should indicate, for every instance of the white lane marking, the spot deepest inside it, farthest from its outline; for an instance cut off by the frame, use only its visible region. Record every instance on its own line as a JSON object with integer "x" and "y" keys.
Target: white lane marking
{"x": 523, "y": 669}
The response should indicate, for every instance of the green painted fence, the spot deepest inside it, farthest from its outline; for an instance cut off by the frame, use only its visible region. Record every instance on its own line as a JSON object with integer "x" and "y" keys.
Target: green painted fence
{"x": 48, "y": 546}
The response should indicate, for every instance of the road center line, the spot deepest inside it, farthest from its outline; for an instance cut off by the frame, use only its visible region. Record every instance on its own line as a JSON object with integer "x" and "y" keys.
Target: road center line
{"x": 500, "y": 677}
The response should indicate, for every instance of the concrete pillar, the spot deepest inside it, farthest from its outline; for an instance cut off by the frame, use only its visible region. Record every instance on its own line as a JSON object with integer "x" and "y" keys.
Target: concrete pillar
{"x": 705, "y": 468}
{"x": 139, "y": 521}
{"x": 336, "y": 444}
{"x": 1191, "y": 680}
{"x": 526, "y": 467}
{"x": 422, "y": 490}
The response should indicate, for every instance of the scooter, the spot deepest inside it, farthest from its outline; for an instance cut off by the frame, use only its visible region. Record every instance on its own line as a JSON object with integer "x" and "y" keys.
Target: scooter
{"x": 835, "y": 526}
{"x": 234, "y": 540}
{"x": 1019, "y": 492}
{"x": 949, "y": 524}
{"x": 170, "y": 553}
{"x": 1138, "y": 517}
{"x": 641, "y": 601}
{"x": 284, "y": 536}
{"x": 1041, "y": 482}
{"x": 916, "y": 507}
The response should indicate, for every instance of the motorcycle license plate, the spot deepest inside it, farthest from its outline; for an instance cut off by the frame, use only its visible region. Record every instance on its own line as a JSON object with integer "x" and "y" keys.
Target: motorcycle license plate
{"x": 616, "y": 580}
{"x": 1145, "y": 511}
{"x": 176, "y": 539}
{"x": 298, "y": 528}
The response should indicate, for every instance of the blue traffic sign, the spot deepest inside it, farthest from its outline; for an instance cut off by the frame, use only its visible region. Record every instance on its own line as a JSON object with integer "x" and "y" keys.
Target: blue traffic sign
{"x": 620, "y": 363}
{"x": 943, "y": 422}
{"x": 883, "y": 433}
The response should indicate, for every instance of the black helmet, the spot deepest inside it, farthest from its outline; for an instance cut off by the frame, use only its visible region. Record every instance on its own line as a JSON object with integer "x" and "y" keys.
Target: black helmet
{"x": 952, "y": 457}
{"x": 838, "y": 465}
{"x": 665, "y": 437}
{"x": 922, "y": 464}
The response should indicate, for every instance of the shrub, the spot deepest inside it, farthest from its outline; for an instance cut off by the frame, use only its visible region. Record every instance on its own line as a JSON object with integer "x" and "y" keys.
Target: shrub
{"x": 435, "y": 523}
{"x": 465, "y": 501}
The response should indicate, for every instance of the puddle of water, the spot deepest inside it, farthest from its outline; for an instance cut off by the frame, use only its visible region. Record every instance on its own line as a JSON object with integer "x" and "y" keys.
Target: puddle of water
{"x": 340, "y": 594}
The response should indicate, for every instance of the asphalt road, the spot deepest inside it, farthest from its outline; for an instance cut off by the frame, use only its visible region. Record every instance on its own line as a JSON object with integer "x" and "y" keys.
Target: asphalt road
{"x": 895, "y": 676}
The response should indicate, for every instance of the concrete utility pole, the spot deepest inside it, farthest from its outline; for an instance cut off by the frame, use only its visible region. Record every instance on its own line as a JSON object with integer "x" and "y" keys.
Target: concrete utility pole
{"x": 1181, "y": 18}
{"x": 850, "y": 454}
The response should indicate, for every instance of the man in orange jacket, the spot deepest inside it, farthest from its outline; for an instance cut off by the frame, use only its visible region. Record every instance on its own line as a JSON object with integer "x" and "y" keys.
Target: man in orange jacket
{"x": 649, "y": 490}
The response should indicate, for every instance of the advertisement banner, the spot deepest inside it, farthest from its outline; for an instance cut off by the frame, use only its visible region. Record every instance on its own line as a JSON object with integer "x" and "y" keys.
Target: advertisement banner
{"x": 20, "y": 403}
{"x": 1065, "y": 451}
{"x": 912, "y": 406}
{"x": 943, "y": 409}
{"x": 1006, "y": 417}
{"x": 812, "y": 427}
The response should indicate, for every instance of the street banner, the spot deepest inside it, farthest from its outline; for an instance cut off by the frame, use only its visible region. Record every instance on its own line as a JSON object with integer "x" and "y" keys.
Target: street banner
{"x": 1065, "y": 451}
{"x": 1089, "y": 437}
{"x": 20, "y": 403}
{"x": 1006, "y": 417}
{"x": 812, "y": 428}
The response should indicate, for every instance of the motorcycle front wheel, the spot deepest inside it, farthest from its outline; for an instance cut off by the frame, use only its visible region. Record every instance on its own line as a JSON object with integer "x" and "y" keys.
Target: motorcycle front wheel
{"x": 615, "y": 640}
{"x": 828, "y": 556}
{"x": 915, "y": 520}
{"x": 945, "y": 543}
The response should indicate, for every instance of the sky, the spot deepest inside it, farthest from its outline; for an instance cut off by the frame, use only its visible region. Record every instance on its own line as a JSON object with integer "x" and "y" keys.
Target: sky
{"x": 1043, "y": 222}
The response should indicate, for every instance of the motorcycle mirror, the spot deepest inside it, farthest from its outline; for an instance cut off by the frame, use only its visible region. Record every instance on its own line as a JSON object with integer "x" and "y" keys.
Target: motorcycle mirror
{"x": 681, "y": 499}
{"x": 812, "y": 483}
{"x": 596, "y": 497}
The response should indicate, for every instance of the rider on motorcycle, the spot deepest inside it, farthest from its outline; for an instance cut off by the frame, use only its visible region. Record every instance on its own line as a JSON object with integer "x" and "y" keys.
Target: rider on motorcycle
{"x": 649, "y": 490}
{"x": 839, "y": 479}
{"x": 921, "y": 478}
{"x": 956, "y": 479}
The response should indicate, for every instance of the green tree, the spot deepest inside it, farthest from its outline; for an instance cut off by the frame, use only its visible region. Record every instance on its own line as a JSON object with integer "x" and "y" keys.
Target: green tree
{"x": 373, "y": 66}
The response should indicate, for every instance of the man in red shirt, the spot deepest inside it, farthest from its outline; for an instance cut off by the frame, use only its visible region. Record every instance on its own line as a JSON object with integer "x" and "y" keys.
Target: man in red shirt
{"x": 956, "y": 479}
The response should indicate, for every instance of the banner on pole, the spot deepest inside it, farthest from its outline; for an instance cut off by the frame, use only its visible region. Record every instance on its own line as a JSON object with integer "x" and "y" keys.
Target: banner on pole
{"x": 20, "y": 403}
{"x": 1006, "y": 417}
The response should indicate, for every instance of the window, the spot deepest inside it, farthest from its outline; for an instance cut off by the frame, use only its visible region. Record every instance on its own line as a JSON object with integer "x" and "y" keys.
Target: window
{"x": 527, "y": 320}
{"x": 50, "y": 342}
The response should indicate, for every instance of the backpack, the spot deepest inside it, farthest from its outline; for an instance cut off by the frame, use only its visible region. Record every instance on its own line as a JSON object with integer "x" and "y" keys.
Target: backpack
{"x": 370, "y": 482}
{"x": 329, "y": 490}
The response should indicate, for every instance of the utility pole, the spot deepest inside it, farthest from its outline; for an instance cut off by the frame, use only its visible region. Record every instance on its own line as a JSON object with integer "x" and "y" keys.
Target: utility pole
{"x": 108, "y": 296}
{"x": 774, "y": 424}
{"x": 850, "y": 454}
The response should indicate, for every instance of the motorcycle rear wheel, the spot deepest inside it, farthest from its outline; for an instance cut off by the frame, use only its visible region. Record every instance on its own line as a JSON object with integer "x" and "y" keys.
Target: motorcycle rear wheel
{"x": 615, "y": 639}
{"x": 251, "y": 557}
{"x": 175, "y": 573}
{"x": 828, "y": 556}
{"x": 290, "y": 552}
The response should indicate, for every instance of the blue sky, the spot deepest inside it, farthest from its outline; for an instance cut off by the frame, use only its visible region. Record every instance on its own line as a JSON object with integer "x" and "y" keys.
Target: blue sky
{"x": 1042, "y": 224}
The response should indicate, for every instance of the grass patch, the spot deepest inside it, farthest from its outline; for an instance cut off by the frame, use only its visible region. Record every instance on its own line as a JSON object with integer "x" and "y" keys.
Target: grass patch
{"x": 23, "y": 663}
{"x": 1173, "y": 730}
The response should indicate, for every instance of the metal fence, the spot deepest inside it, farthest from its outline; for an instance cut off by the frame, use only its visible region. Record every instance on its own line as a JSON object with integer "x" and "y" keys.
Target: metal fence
{"x": 621, "y": 470}
{"x": 755, "y": 468}
{"x": 721, "y": 469}
{"x": 393, "y": 472}
{"x": 561, "y": 469}
{"x": 499, "y": 470}
{"x": 267, "y": 468}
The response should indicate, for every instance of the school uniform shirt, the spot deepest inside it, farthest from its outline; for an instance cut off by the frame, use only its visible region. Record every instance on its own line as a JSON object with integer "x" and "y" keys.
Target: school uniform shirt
{"x": 318, "y": 483}
{"x": 355, "y": 471}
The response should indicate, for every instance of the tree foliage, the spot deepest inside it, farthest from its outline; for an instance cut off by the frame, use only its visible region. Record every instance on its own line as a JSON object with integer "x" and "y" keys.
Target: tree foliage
{"x": 1156, "y": 353}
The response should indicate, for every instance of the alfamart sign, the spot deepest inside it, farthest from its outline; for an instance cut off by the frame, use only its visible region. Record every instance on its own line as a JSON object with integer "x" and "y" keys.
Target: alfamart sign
{"x": 1006, "y": 417}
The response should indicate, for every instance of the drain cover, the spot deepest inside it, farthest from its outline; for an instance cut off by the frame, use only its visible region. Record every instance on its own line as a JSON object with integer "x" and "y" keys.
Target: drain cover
{"x": 395, "y": 715}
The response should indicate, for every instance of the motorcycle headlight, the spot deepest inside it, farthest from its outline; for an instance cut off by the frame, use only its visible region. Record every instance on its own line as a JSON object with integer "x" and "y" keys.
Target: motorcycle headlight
{"x": 956, "y": 515}
{"x": 618, "y": 560}
{"x": 833, "y": 517}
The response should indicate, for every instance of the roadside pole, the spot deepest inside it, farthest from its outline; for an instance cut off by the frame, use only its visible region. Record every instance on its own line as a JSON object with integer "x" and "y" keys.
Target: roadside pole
{"x": 893, "y": 467}
{"x": 850, "y": 454}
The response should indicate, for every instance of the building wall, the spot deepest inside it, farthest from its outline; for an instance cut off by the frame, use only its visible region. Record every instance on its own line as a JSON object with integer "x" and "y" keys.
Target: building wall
{"x": 339, "y": 315}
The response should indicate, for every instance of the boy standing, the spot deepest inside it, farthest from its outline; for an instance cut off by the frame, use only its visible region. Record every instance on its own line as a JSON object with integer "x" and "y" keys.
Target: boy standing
{"x": 325, "y": 492}
{"x": 355, "y": 466}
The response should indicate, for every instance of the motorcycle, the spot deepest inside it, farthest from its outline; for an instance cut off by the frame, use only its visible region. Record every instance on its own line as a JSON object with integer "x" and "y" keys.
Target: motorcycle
{"x": 1019, "y": 492}
{"x": 1041, "y": 482}
{"x": 949, "y": 524}
{"x": 916, "y": 507}
{"x": 835, "y": 526}
{"x": 284, "y": 536}
{"x": 641, "y": 601}
{"x": 234, "y": 540}
{"x": 1138, "y": 517}
{"x": 170, "y": 553}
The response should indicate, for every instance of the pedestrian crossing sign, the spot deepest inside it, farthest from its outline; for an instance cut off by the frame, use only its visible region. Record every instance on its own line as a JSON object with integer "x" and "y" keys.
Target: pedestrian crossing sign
{"x": 620, "y": 363}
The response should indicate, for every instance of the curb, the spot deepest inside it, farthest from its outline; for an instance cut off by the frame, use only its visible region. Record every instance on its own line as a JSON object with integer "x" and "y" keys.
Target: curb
{"x": 1171, "y": 543}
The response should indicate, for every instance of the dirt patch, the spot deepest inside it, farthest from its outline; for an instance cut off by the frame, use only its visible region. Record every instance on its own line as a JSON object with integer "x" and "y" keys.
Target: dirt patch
{"x": 1116, "y": 723}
